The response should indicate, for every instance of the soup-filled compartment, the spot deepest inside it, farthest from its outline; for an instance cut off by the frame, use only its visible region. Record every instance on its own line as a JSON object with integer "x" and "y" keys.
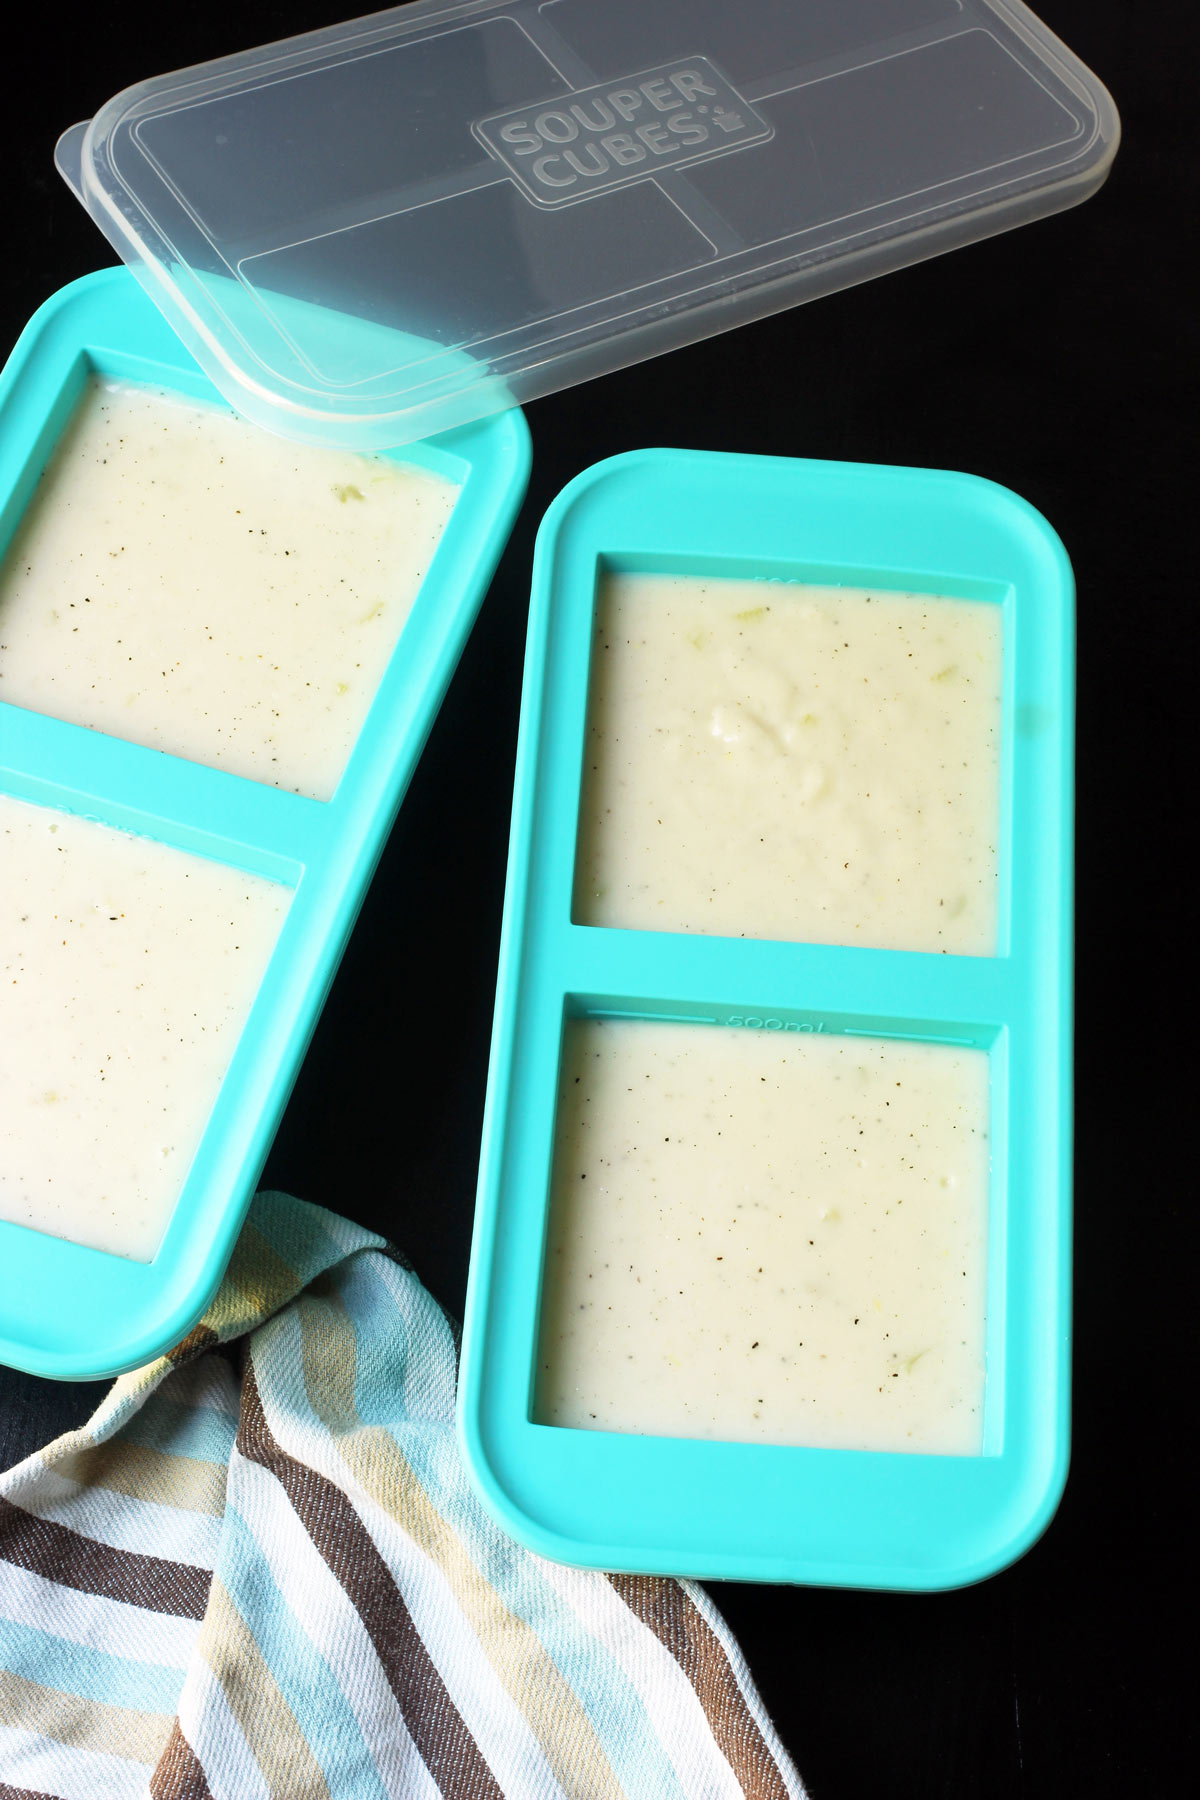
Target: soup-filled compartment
{"x": 779, "y": 759}
{"x": 767, "y": 1236}
{"x": 129, "y": 970}
{"x": 185, "y": 581}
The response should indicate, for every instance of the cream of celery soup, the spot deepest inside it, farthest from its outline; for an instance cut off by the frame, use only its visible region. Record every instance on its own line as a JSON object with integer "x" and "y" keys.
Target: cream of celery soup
{"x": 191, "y": 583}
{"x": 766, "y": 1237}
{"x": 771, "y": 760}
{"x": 129, "y": 968}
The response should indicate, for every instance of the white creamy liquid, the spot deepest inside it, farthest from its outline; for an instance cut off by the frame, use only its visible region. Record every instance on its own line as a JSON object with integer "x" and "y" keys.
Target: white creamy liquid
{"x": 767, "y": 1238}
{"x": 188, "y": 582}
{"x": 127, "y": 970}
{"x": 775, "y": 761}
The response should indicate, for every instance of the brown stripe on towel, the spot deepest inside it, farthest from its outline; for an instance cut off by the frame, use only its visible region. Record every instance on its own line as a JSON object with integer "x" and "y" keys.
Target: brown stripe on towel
{"x": 551, "y": 1707}
{"x": 435, "y": 1724}
{"x": 12, "y": 1793}
{"x": 178, "y": 1775}
{"x": 199, "y": 1339}
{"x": 52, "y": 1550}
{"x": 675, "y": 1622}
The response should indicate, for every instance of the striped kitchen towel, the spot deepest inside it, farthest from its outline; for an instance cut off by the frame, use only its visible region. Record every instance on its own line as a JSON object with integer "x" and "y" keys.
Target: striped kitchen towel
{"x": 260, "y": 1571}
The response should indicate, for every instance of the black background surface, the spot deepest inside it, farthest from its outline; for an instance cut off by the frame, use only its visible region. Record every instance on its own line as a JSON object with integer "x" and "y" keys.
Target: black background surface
{"x": 1056, "y": 360}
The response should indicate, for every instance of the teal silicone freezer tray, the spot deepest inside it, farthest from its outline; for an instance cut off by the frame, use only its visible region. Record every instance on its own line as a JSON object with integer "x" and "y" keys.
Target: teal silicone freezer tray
{"x": 751, "y": 1511}
{"x": 73, "y": 1312}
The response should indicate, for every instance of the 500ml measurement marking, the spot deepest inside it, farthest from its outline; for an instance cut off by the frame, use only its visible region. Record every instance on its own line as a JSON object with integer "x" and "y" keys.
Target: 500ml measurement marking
{"x": 616, "y": 132}
{"x": 770, "y": 1024}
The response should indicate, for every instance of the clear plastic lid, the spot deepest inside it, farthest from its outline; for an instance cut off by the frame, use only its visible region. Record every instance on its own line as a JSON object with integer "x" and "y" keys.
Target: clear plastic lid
{"x": 390, "y": 227}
